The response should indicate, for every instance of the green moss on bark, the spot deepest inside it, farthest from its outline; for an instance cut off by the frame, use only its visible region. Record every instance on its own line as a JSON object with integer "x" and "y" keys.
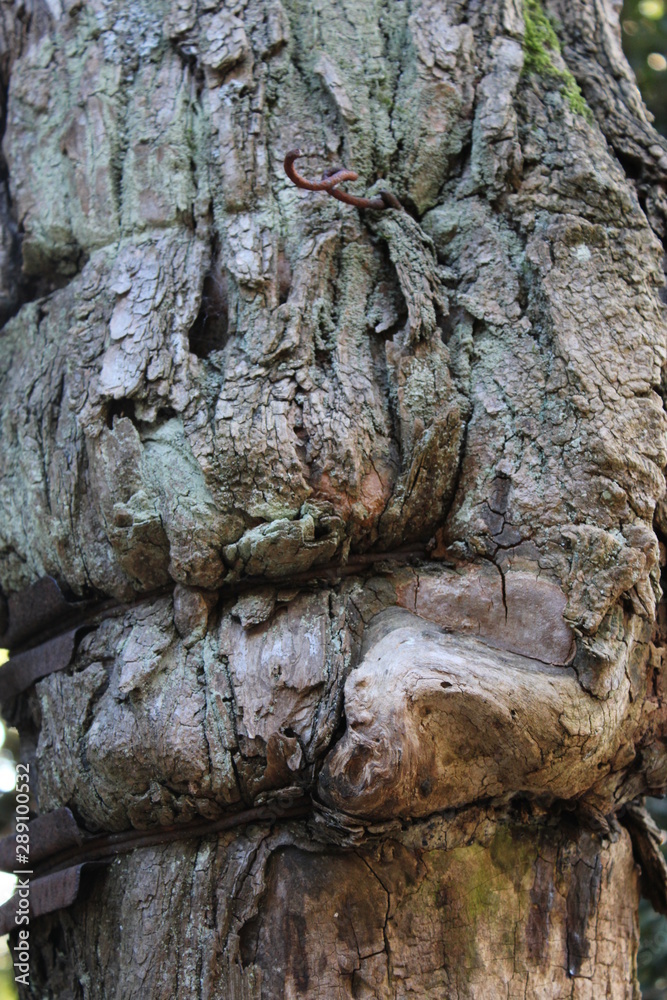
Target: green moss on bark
{"x": 540, "y": 42}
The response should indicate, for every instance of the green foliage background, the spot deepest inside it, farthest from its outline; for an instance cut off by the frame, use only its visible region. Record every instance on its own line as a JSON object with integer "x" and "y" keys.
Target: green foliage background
{"x": 642, "y": 36}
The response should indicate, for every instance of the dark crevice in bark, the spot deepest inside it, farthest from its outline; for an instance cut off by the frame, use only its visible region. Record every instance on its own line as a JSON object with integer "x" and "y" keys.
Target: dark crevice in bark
{"x": 186, "y": 50}
{"x": 633, "y": 165}
{"x": 284, "y": 277}
{"x": 15, "y": 289}
{"x": 234, "y": 714}
{"x": 443, "y": 528}
{"x": 210, "y": 331}
{"x": 119, "y": 408}
{"x": 445, "y": 326}
{"x": 12, "y": 294}
{"x": 582, "y": 902}
{"x": 249, "y": 941}
{"x": 457, "y": 165}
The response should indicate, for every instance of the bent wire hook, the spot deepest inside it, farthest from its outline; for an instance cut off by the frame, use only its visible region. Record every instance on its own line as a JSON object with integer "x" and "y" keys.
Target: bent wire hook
{"x": 331, "y": 178}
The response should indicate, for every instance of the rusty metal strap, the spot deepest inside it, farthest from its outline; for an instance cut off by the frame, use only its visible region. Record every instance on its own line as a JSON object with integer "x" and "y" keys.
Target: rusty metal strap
{"x": 61, "y": 850}
{"x": 108, "y": 845}
{"x": 42, "y": 626}
{"x": 35, "y": 610}
{"x": 43, "y": 611}
{"x": 39, "y": 896}
{"x": 23, "y": 669}
{"x": 47, "y": 834}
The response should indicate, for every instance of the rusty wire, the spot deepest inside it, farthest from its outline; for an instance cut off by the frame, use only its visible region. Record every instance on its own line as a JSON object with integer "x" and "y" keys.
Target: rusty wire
{"x": 332, "y": 177}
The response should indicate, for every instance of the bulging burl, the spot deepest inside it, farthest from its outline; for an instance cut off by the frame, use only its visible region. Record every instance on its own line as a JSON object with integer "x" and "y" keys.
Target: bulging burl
{"x": 438, "y": 720}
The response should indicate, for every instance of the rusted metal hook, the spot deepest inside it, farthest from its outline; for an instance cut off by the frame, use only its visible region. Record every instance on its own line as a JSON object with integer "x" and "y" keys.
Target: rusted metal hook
{"x": 333, "y": 177}
{"x": 330, "y": 177}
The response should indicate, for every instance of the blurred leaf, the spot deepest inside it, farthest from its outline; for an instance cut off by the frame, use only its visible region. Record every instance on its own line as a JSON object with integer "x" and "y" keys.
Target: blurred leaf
{"x": 644, "y": 26}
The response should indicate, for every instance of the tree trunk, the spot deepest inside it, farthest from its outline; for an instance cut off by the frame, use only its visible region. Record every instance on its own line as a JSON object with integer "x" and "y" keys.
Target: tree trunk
{"x": 362, "y": 503}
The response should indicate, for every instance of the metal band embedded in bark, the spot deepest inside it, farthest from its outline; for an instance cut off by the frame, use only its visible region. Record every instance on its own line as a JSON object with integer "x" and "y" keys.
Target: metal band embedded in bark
{"x": 63, "y": 850}
{"x": 51, "y": 649}
{"x": 49, "y": 833}
{"x": 23, "y": 669}
{"x": 45, "y": 895}
{"x": 37, "y": 609}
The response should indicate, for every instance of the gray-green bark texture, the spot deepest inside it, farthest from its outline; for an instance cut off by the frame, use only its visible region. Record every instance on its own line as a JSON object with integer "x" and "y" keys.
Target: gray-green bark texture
{"x": 378, "y": 495}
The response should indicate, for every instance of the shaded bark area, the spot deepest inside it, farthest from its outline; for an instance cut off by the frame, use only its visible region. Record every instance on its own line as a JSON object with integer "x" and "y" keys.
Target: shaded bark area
{"x": 231, "y": 406}
{"x": 482, "y": 905}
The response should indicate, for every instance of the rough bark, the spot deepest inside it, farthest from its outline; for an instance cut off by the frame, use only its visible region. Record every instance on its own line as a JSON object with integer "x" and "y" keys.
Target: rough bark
{"x": 375, "y": 492}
